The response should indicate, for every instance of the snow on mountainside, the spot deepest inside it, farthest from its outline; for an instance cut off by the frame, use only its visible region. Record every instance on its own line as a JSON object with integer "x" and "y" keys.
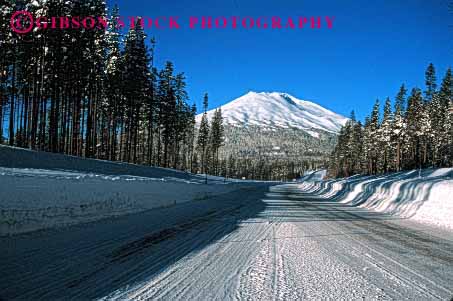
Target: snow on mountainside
{"x": 279, "y": 110}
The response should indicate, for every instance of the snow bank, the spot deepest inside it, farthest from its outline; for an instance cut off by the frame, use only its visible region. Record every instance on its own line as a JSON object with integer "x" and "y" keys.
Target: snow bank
{"x": 14, "y": 157}
{"x": 313, "y": 175}
{"x": 425, "y": 196}
{"x": 33, "y": 199}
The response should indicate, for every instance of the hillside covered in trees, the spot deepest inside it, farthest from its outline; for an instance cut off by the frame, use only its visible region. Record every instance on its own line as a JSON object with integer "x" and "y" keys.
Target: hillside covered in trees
{"x": 416, "y": 133}
{"x": 274, "y": 135}
{"x": 275, "y": 153}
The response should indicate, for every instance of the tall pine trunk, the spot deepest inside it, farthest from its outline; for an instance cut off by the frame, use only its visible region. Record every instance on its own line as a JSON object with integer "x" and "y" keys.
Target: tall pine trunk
{"x": 1, "y": 115}
{"x": 11, "y": 107}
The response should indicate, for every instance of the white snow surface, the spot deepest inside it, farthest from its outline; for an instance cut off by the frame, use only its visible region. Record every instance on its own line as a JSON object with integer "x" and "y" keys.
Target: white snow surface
{"x": 313, "y": 175}
{"x": 34, "y": 199}
{"x": 279, "y": 110}
{"x": 425, "y": 196}
{"x": 222, "y": 241}
{"x": 255, "y": 243}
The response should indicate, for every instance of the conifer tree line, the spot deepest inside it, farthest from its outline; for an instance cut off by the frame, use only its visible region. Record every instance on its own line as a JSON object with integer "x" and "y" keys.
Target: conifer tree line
{"x": 416, "y": 132}
{"x": 278, "y": 154}
{"x": 98, "y": 93}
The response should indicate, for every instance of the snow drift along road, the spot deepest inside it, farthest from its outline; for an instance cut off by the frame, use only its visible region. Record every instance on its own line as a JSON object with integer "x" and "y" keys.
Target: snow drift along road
{"x": 427, "y": 198}
{"x": 33, "y": 199}
{"x": 41, "y": 190}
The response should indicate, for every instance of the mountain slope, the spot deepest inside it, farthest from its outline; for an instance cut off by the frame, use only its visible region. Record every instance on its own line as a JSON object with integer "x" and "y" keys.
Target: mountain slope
{"x": 279, "y": 110}
{"x": 276, "y": 136}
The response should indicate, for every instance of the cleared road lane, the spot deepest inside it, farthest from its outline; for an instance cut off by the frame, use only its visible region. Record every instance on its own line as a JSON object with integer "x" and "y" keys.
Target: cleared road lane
{"x": 272, "y": 243}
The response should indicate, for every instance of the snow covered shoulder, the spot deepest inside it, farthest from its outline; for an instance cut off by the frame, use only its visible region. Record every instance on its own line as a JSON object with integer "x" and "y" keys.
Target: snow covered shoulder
{"x": 425, "y": 196}
{"x": 33, "y": 199}
{"x": 68, "y": 190}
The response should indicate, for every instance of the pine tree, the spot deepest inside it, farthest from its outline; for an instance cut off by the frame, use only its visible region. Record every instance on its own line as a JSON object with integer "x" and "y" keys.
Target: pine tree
{"x": 191, "y": 133}
{"x": 167, "y": 112}
{"x": 430, "y": 80}
{"x": 6, "y": 9}
{"x": 216, "y": 137}
{"x": 384, "y": 137}
{"x": 414, "y": 116}
{"x": 446, "y": 90}
{"x": 449, "y": 133}
{"x": 182, "y": 120}
{"x": 114, "y": 85}
{"x": 399, "y": 127}
{"x": 436, "y": 117}
{"x": 445, "y": 123}
{"x": 418, "y": 136}
{"x": 345, "y": 159}
{"x": 137, "y": 88}
{"x": 358, "y": 147}
{"x": 89, "y": 93}
{"x": 373, "y": 150}
{"x": 203, "y": 135}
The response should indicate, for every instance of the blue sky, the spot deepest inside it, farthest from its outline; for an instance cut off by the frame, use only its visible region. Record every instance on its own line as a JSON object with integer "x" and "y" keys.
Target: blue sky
{"x": 373, "y": 48}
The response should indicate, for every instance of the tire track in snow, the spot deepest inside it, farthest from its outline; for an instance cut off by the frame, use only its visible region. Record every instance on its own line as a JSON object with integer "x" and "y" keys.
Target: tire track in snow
{"x": 288, "y": 249}
{"x": 255, "y": 281}
{"x": 75, "y": 262}
{"x": 383, "y": 263}
{"x": 179, "y": 281}
{"x": 411, "y": 278}
{"x": 354, "y": 248}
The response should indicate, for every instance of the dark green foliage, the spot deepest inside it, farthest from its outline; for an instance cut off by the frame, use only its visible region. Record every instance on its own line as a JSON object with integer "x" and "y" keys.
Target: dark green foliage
{"x": 418, "y": 135}
{"x": 90, "y": 93}
{"x": 203, "y": 136}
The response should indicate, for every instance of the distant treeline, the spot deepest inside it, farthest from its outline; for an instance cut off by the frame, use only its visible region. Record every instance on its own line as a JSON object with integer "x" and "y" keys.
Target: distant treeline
{"x": 417, "y": 133}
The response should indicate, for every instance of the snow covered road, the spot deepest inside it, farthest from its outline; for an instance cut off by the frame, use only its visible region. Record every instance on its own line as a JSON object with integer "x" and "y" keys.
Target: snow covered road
{"x": 257, "y": 243}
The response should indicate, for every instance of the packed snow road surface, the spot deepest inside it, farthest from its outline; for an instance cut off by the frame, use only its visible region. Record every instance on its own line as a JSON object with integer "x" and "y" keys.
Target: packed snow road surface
{"x": 256, "y": 243}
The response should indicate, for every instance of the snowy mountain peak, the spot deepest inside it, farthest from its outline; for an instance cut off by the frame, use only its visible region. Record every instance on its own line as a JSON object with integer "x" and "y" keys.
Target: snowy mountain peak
{"x": 279, "y": 110}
